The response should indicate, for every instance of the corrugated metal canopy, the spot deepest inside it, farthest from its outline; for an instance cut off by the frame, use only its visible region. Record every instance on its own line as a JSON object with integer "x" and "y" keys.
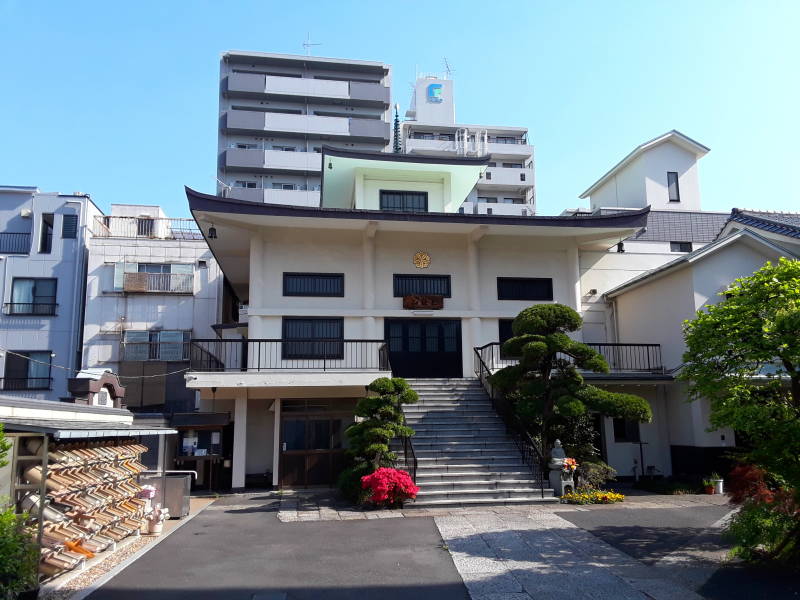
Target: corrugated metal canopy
{"x": 80, "y": 429}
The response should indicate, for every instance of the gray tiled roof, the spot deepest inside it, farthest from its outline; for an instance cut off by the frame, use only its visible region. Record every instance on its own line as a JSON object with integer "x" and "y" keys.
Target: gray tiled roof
{"x": 776, "y": 222}
{"x": 680, "y": 226}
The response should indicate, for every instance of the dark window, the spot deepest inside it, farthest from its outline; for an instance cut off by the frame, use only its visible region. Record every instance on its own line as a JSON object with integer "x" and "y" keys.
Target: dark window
{"x": 487, "y": 199}
{"x": 404, "y": 201}
{"x": 488, "y": 175}
{"x": 69, "y": 227}
{"x": 672, "y": 186}
{"x": 27, "y": 371}
{"x": 408, "y": 285}
{"x": 46, "y": 237}
{"x": 512, "y": 165}
{"x": 491, "y": 164}
{"x": 626, "y": 431}
{"x": 522, "y": 176}
{"x": 313, "y": 284}
{"x": 32, "y": 297}
{"x": 680, "y": 246}
{"x": 504, "y": 330}
{"x": 524, "y": 288}
{"x": 313, "y": 338}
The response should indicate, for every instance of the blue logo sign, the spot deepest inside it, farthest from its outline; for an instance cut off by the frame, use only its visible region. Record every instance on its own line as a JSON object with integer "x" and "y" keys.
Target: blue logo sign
{"x": 435, "y": 93}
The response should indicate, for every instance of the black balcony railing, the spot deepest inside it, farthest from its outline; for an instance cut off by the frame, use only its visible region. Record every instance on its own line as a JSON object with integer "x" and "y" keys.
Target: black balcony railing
{"x": 289, "y": 355}
{"x": 15, "y": 243}
{"x": 27, "y": 383}
{"x": 621, "y": 358}
{"x": 39, "y": 309}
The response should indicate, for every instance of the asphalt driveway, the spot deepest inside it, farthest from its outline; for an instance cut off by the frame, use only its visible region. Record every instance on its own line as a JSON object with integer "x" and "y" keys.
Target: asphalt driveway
{"x": 238, "y": 550}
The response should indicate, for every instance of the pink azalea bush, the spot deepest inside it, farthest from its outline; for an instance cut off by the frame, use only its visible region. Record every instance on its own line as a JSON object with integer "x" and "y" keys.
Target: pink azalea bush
{"x": 389, "y": 487}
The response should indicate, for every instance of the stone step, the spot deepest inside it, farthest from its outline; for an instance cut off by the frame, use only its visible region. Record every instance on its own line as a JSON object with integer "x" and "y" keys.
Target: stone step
{"x": 480, "y": 405}
{"x": 434, "y": 435}
{"x": 439, "y": 422}
{"x": 488, "y": 460}
{"x": 477, "y": 484}
{"x": 432, "y": 477}
{"x": 501, "y": 445}
{"x": 427, "y": 467}
{"x": 478, "y": 493}
{"x": 467, "y": 503}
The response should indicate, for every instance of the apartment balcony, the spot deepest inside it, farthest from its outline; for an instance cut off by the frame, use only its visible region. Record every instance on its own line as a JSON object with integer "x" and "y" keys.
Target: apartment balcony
{"x": 250, "y": 121}
{"x": 158, "y": 283}
{"x": 430, "y": 147}
{"x": 515, "y": 149}
{"x": 15, "y": 243}
{"x": 296, "y": 197}
{"x": 507, "y": 177}
{"x": 18, "y": 384}
{"x": 250, "y": 160}
{"x": 145, "y": 227}
{"x": 255, "y": 85}
{"x": 498, "y": 209}
{"x": 623, "y": 359}
{"x": 30, "y": 309}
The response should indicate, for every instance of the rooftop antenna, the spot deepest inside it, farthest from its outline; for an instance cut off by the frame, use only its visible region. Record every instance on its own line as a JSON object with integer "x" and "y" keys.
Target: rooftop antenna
{"x": 308, "y": 44}
{"x": 447, "y": 69}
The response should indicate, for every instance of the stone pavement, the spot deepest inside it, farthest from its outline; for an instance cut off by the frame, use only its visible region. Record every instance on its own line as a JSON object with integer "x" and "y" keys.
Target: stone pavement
{"x": 324, "y": 505}
{"x": 544, "y": 557}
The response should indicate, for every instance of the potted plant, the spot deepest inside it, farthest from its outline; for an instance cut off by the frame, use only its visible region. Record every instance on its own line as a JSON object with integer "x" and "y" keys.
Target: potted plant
{"x": 708, "y": 486}
{"x": 156, "y": 520}
{"x": 718, "y": 482}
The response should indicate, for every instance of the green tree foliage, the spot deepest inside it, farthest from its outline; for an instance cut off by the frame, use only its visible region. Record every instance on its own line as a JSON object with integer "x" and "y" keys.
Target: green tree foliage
{"x": 546, "y": 385}
{"x": 382, "y": 420}
{"x": 743, "y": 354}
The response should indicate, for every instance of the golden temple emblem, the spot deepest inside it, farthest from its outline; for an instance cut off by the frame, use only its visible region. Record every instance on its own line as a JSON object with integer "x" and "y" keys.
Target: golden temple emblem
{"x": 422, "y": 260}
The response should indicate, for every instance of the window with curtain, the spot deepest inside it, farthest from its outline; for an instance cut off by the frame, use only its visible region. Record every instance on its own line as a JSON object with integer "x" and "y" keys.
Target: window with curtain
{"x": 672, "y": 186}
{"x": 166, "y": 345}
{"x": 27, "y": 370}
{"x": 32, "y": 296}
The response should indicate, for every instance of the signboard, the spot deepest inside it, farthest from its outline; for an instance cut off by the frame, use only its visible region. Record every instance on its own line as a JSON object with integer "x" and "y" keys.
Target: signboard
{"x": 423, "y": 302}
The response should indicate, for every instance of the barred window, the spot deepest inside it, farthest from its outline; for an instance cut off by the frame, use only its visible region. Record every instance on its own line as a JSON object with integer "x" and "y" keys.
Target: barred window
{"x": 313, "y": 338}
{"x": 408, "y": 285}
{"x": 313, "y": 284}
{"x": 403, "y": 201}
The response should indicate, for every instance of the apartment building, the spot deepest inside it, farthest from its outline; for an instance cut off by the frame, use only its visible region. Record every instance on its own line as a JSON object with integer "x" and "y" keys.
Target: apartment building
{"x": 276, "y": 111}
{"x": 507, "y": 186}
{"x": 152, "y": 284}
{"x": 43, "y": 254}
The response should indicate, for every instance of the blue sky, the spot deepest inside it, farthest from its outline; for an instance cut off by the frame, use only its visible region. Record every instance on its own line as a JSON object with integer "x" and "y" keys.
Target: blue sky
{"x": 120, "y": 99}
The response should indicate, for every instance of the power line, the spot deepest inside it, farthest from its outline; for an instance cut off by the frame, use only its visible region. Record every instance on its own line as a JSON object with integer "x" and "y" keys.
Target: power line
{"x": 41, "y": 362}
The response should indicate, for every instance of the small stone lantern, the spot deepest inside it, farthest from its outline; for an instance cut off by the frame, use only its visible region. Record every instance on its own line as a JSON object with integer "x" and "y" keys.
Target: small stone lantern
{"x": 561, "y": 481}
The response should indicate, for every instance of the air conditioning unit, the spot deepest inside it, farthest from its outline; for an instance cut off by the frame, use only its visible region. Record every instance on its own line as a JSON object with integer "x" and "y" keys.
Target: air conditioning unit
{"x": 26, "y": 213}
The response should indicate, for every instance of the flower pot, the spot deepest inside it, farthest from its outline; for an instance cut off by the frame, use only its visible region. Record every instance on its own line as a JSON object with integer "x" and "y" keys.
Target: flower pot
{"x": 718, "y": 486}
{"x": 709, "y": 489}
{"x": 156, "y": 527}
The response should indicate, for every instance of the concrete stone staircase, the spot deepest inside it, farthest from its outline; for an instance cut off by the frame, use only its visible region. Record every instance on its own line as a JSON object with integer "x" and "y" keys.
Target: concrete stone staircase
{"x": 464, "y": 455}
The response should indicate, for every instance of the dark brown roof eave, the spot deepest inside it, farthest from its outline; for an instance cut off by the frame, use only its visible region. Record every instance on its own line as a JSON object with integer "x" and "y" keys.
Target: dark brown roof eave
{"x": 211, "y": 203}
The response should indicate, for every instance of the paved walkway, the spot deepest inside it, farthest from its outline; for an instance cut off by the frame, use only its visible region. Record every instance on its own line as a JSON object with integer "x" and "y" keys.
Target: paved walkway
{"x": 542, "y": 556}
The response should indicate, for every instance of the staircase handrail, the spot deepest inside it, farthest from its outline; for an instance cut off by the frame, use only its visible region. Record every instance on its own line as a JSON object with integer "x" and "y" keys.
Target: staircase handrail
{"x": 409, "y": 457}
{"x": 531, "y": 453}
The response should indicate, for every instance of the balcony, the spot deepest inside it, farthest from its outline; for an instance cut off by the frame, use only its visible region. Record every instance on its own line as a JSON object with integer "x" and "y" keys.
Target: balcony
{"x": 518, "y": 148}
{"x": 250, "y": 121}
{"x": 297, "y": 197}
{"x": 434, "y": 146}
{"x": 30, "y": 309}
{"x": 15, "y": 243}
{"x": 145, "y": 227}
{"x": 158, "y": 283}
{"x": 306, "y": 355}
{"x": 621, "y": 358}
{"x": 252, "y": 159}
{"x": 26, "y": 383}
{"x": 145, "y": 351}
{"x": 507, "y": 177}
{"x": 256, "y": 85}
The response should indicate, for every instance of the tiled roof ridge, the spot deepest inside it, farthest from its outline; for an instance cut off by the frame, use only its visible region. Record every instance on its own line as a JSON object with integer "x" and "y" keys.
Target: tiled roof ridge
{"x": 765, "y": 212}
